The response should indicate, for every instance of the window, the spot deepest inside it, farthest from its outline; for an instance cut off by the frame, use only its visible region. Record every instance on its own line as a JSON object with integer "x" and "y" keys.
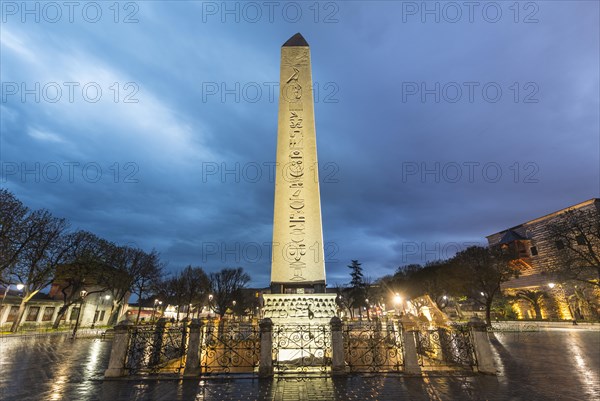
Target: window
{"x": 32, "y": 314}
{"x": 533, "y": 250}
{"x": 12, "y": 314}
{"x": 102, "y": 315}
{"x": 48, "y": 313}
{"x": 74, "y": 314}
{"x": 580, "y": 239}
{"x": 559, "y": 244}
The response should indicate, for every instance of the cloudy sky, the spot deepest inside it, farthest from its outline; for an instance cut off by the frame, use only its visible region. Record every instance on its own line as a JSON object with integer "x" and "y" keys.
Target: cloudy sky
{"x": 154, "y": 123}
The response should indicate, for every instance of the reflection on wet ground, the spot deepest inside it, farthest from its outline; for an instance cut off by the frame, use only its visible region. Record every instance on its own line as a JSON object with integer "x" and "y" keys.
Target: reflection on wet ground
{"x": 557, "y": 365}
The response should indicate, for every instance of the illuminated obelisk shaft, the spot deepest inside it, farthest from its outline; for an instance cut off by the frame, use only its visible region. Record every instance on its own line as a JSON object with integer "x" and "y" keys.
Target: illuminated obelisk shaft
{"x": 297, "y": 257}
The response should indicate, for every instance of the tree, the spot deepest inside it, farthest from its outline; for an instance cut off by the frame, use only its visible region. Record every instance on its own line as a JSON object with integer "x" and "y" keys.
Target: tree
{"x": 188, "y": 287}
{"x": 246, "y": 303}
{"x": 535, "y": 298}
{"x": 403, "y": 280}
{"x": 343, "y": 299}
{"x": 503, "y": 306}
{"x": 85, "y": 269}
{"x": 358, "y": 287}
{"x": 576, "y": 236}
{"x": 225, "y": 286}
{"x": 147, "y": 270}
{"x": 16, "y": 231}
{"x": 45, "y": 250}
{"x": 196, "y": 287}
{"x": 435, "y": 279}
{"x": 173, "y": 291}
{"x": 482, "y": 271}
{"x": 125, "y": 267}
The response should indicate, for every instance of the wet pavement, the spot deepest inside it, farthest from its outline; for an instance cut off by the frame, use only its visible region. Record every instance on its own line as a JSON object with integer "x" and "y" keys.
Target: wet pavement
{"x": 543, "y": 365}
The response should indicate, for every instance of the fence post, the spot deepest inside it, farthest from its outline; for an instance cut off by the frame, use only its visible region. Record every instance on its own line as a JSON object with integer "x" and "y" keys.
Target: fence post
{"x": 445, "y": 346}
{"x": 159, "y": 334}
{"x": 118, "y": 352}
{"x": 192, "y": 360}
{"x": 184, "y": 335}
{"x": 265, "y": 367}
{"x": 337, "y": 347}
{"x": 409, "y": 333}
{"x": 482, "y": 346}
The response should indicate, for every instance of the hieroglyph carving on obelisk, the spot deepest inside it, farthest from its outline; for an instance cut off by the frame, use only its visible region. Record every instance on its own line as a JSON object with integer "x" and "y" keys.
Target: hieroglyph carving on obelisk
{"x": 297, "y": 256}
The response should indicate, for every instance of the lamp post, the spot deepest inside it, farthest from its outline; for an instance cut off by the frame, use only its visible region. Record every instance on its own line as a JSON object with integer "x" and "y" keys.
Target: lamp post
{"x": 82, "y": 294}
{"x": 397, "y": 302}
{"x": 210, "y": 298}
{"x": 95, "y": 315}
{"x": 106, "y": 297}
{"x": 19, "y": 287}
{"x": 156, "y": 303}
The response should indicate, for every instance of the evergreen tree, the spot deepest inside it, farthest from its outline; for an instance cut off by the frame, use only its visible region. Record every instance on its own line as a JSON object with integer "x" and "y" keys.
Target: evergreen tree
{"x": 358, "y": 287}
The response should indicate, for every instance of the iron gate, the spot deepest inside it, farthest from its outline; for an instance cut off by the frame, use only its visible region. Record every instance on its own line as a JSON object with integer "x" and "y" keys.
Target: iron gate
{"x": 302, "y": 348}
{"x": 443, "y": 346}
{"x": 229, "y": 348}
{"x": 156, "y": 349}
{"x": 373, "y": 347}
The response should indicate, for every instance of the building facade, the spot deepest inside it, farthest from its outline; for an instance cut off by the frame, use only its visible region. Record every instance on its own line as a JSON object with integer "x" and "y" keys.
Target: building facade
{"x": 540, "y": 291}
{"x": 42, "y": 311}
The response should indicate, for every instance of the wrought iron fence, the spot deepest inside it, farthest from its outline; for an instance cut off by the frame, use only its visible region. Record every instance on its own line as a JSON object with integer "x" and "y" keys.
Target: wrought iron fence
{"x": 302, "y": 348}
{"x": 373, "y": 347}
{"x": 156, "y": 349}
{"x": 229, "y": 348}
{"x": 446, "y": 346}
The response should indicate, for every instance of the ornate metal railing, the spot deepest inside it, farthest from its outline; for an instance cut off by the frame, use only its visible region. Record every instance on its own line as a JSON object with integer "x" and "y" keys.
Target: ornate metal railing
{"x": 445, "y": 346}
{"x": 229, "y": 348}
{"x": 156, "y": 349}
{"x": 302, "y": 348}
{"x": 375, "y": 347}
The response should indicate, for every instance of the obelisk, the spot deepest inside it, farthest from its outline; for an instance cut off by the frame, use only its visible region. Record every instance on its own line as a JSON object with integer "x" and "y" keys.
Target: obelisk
{"x": 297, "y": 264}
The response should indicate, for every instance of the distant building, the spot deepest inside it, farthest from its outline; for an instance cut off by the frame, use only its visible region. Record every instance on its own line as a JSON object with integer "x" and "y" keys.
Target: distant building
{"x": 42, "y": 310}
{"x": 537, "y": 252}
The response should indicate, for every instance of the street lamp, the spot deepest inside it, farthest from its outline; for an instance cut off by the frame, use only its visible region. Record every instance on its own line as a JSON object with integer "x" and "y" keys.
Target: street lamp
{"x": 397, "y": 302}
{"x": 551, "y": 285}
{"x": 210, "y": 298}
{"x": 19, "y": 287}
{"x": 156, "y": 303}
{"x": 82, "y": 295}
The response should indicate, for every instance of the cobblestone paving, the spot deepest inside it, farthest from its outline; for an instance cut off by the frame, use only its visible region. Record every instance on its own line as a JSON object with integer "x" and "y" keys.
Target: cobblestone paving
{"x": 545, "y": 365}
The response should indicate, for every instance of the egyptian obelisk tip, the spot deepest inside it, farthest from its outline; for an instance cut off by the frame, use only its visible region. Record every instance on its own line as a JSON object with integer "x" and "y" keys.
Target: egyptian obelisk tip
{"x": 296, "y": 40}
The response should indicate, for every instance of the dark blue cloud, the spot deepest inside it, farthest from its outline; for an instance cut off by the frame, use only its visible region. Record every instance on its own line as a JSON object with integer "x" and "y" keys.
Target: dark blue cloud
{"x": 404, "y": 178}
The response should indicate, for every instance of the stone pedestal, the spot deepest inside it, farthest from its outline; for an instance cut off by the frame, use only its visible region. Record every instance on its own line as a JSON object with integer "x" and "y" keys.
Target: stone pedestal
{"x": 118, "y": 352}
{"x": 409, "y": 333}
{"x": 482, "y": 346}
{"x": 265, "y": 367}
{"x": 192, "y": 361}
{"x": 337, "y": 347}
{"x": 299, "y": 308}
